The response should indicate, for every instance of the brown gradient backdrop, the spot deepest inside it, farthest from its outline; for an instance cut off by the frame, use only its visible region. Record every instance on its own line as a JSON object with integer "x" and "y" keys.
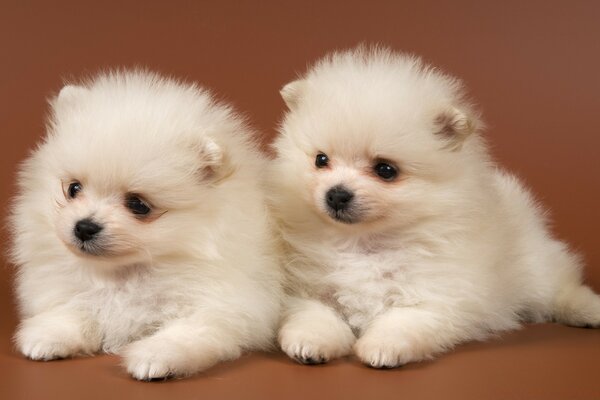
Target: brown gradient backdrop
{"x": 532, "y": 66}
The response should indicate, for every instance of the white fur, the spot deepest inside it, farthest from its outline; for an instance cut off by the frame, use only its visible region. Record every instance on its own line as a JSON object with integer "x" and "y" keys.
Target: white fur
{"x": 194, "y": 283}
{"x": 454, "y": 249}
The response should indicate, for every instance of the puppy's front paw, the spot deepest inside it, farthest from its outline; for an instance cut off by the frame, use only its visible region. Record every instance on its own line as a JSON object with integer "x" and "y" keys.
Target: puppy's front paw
{"x": 306, "y": 351}
{"x": 155, "y": 358}
{"x": 45, "y": 349}
{"x": 42, "y": 343}
{"x": 308, "y": 346}
{"x": 379, "y": 351}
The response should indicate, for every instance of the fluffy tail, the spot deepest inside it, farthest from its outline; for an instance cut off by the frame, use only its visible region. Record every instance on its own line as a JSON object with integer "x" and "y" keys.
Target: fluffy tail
{"x": 573, "y": 303}
{"x": 578, "y": 305}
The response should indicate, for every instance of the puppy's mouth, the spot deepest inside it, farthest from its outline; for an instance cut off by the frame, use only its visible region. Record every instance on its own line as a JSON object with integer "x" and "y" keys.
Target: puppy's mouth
{"x": 89, "y": 248}
{"x": 103, "y": 252}
{"x": 343, "y": 216}
{"x": 92, "y": 249}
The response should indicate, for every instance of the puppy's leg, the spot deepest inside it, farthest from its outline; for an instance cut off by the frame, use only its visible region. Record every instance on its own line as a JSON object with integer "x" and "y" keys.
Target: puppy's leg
{"x": 313, "y": 333}
{"x": 578, "y": 305}
{"x": 183, "y": 347}
{"x": 403, "y": 335}
{"x": 56, "y": 334}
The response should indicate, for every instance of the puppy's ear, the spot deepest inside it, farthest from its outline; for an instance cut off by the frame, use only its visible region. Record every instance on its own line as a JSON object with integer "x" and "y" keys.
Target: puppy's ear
{"x": 70, "y": 94}
{"x": 453, "y": 127}
{"x": 292, "y": 92}
{"x": 213, "y": 164}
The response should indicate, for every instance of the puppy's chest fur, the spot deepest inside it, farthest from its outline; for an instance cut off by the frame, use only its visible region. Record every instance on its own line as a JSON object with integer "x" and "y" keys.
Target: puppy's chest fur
{"x": 124, "y": 310}
{"x": 361, "y": 283}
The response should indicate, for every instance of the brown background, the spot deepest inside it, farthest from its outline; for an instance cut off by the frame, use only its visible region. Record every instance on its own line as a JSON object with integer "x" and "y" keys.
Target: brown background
{"x": 534, "y": 67}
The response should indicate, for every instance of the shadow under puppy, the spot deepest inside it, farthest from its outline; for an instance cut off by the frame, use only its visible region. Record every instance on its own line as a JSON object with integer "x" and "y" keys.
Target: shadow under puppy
{"x": 403, "y": 237}
{"x": 140, "y": 229}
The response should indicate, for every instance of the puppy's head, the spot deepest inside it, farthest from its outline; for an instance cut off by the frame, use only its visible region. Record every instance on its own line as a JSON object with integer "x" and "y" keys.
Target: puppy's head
{"x": 374, "y": 138}
{"x": 128, "y": 170}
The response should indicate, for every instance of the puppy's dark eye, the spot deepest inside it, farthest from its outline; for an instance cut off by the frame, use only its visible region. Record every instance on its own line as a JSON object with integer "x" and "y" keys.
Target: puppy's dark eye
{"x": 322, "y": 160}
{"x": 386, "y": 171}
{"x": 137, "y": 205}
{"x": 74, "y": 189}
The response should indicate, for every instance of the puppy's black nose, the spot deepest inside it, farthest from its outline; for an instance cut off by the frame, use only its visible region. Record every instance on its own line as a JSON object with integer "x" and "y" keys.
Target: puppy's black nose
{"x": 338, "y": 198}
{"x": 86, "y": 229}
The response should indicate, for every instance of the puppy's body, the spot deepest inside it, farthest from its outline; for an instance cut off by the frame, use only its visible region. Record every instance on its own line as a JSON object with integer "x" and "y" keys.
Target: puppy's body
{"x": 450, "y": 249}
{"x": 175, "y": 289}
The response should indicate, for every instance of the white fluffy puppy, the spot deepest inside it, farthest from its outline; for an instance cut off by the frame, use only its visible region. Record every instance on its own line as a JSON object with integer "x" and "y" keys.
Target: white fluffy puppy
{"x": 403, "y": 237}
{"x": 140, "y": 228}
